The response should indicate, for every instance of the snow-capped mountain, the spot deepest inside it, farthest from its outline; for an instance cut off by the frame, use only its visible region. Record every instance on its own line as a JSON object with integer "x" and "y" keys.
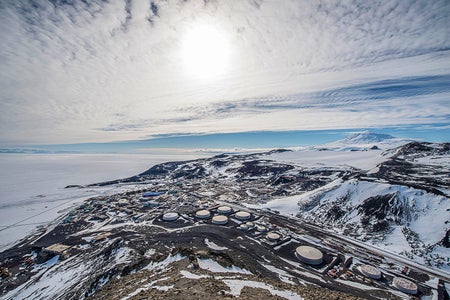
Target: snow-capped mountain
{"x": 367, "y": 137}
{"x": 366, "y": 140}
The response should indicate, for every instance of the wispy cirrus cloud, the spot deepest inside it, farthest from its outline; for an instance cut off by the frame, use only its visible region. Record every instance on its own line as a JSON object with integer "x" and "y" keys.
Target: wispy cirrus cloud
{"x": 74, "y": 71}
{"x": 382, "y": 103}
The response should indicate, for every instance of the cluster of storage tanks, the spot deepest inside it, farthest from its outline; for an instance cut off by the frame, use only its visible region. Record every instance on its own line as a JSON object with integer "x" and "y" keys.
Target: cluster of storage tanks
{"x": 402, "y": 284}
{"x": 221, "y": 218}
{"x": 312, "y": 256}
{"x": 306, "y": 254}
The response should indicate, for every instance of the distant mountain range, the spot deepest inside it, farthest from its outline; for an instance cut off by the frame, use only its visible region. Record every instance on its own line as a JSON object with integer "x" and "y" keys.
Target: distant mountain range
{"x": 356, "y": 141}
{"x": 33, "y": 151}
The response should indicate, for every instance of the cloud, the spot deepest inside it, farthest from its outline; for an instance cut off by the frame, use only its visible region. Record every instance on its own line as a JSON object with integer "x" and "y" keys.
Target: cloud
{"x": 75, "y": 71}
{"x": 379, "y": 103}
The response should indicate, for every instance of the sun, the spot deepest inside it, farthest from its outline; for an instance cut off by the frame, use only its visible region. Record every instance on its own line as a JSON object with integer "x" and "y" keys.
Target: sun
{"x": 205, "y": 52}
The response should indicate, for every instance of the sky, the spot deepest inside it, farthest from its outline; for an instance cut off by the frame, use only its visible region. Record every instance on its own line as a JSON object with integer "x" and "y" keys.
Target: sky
{"x": 108, "y": 71}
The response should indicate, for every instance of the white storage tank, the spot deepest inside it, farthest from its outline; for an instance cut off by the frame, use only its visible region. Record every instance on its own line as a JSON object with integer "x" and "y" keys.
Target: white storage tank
{"x": 123, "y": 202}
{"x": 370, "y": 271}
{"x": 203, "y": 214}
{"x": 405, "y": 285}
{"x": 261, "y": 228}
{"x": 224, "y": 210}
{"x": 243, "y": 227}
{"x": 170, "y": 216}
{"x": 273, "y": 236}
{"x": 250, "y": 225}
{"x": 309, "y": 255}
{"x": 220, "y": 220}
{"x": 242, "y": 215}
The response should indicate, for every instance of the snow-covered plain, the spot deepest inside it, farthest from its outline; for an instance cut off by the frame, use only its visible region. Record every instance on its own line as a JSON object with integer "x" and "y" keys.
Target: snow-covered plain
{"x": 364, "y": 160}
{"x": 353, "y": 151}
{"x": 32, "y": 186}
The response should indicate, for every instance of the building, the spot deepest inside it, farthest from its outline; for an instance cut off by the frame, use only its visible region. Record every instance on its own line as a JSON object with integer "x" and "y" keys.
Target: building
{"x": 152, "y": 194}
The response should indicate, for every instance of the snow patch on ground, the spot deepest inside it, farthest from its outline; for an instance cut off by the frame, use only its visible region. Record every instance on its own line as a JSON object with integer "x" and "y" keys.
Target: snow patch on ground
{"x": 237, "y": 285}
{"x": 299, "y": 266}
{"x": 164, "y": 263}
{"x": 214, "y": 246}
{"x": 149, "y": 286}
{"x": 52, "y": 261}
{"x": 286, "y": 206}
{"x": 433, "y": 160}
{"x": 283, "y": 275}
{"x": 163, "y": 288}
{"x": 149, "y": 252}
{"x": 190, "y": 275}
{"x": 355, "y": 284}
{"x": 395, "y": 241}
{"x": 215, "y": 267}
{"x": 122, "y": 255}
{"x": 289, "y": 206}
{"x": 53, "y": 281}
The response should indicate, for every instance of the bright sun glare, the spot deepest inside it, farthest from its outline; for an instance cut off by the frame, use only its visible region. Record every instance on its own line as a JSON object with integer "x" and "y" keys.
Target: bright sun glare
{"x": 206, "y": 52}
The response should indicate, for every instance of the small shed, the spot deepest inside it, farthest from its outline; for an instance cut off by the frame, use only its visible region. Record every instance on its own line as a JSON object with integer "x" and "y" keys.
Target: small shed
{"x": 57, "y": 249}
